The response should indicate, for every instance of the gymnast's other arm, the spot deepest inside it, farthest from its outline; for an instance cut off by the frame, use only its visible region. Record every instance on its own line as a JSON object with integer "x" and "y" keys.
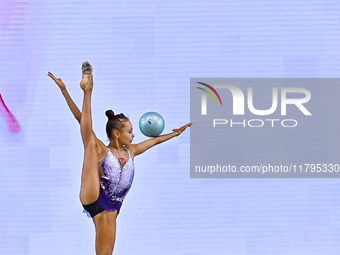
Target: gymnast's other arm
{"x": 143, "y": 146}
{"x": 76, "y": 112}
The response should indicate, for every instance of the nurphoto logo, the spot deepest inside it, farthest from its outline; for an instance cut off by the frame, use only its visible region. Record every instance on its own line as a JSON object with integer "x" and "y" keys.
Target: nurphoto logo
{"x": 238, "y": 104}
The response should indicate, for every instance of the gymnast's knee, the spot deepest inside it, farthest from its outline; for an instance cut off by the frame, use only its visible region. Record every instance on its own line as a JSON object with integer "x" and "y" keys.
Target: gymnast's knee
{"x": 90, "y": 143}
{"x": 105, "y": 249}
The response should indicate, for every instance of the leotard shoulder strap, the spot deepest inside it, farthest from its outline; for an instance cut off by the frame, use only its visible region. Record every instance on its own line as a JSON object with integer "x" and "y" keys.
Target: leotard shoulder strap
{"x": 128, "y": 152}
{"x": 102, "y": 161}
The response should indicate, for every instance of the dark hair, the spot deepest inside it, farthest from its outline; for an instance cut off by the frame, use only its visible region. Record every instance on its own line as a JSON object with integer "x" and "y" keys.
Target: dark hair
{"x": 114, "y": 122}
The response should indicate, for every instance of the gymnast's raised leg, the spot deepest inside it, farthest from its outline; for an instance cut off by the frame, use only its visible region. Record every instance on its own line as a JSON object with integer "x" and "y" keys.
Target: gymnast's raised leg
{"x": 90, "y": 184}
{"x": 105, "y": 222}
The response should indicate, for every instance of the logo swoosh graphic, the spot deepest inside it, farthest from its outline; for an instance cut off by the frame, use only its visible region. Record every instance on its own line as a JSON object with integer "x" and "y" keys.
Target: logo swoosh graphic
{"x": 208, "y": 93}
{"x": 212, "y": 90}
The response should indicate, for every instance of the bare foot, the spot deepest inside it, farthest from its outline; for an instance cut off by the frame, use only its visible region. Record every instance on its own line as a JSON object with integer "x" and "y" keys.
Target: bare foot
{"x": 87, "y": 80}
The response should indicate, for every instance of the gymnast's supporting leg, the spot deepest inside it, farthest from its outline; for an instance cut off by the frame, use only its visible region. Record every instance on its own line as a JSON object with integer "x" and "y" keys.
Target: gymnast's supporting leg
{"x": 105, "y": 223}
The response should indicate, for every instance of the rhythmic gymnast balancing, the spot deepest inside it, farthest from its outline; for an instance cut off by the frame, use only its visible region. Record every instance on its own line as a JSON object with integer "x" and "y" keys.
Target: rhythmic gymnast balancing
{"x": 108, "y": 171}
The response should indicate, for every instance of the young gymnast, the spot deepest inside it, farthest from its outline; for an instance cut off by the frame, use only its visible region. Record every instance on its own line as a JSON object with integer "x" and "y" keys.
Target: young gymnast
{"x": 108, "y": 171}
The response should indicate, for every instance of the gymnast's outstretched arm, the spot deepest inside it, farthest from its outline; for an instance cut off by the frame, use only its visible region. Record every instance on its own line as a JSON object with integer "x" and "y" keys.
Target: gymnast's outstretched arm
{"x": 76, "y": 112}
{"x": 143, "y": 146}
{"x": 73, "y": 107}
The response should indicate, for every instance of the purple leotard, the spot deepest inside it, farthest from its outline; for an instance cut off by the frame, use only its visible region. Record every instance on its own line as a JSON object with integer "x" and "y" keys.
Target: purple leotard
{"x": 116, "y": 182}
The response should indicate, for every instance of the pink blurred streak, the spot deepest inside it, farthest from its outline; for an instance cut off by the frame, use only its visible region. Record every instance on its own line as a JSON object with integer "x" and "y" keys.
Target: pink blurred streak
{"x": 12, "y": 122}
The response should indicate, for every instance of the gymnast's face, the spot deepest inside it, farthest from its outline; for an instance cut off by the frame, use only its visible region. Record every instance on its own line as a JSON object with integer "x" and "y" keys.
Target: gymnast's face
{"x": 126, "y": 134}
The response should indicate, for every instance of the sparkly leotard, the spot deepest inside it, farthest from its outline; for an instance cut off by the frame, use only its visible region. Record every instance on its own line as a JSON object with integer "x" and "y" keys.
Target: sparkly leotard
{"x": 116, "y": 182}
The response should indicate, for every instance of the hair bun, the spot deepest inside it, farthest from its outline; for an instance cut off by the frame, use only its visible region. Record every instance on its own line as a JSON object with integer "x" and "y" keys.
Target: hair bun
{"x": 110, "y": 114}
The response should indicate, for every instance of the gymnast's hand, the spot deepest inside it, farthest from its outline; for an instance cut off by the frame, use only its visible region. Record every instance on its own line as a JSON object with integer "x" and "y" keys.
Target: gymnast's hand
{"x": 58, "y": 81}
{"x": 181, "y": 129}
